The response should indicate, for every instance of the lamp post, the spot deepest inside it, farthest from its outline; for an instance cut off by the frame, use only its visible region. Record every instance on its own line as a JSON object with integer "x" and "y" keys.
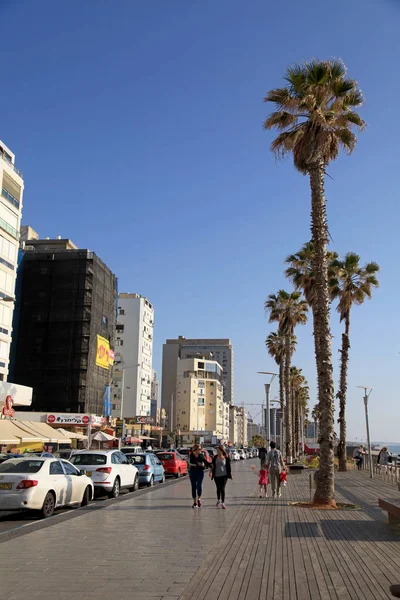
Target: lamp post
{"x": 267, "y": 410}
{"x": 366, "y": 396}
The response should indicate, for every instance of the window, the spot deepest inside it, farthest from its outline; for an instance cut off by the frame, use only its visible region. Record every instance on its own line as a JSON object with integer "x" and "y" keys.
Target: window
{"x": 115, "y": 459}
{"x": 120, "y": 328}
{"x": 124, "y": 460}
{"x": 119, "y": 342}
{"x": 89, "y": 459}
{"x": 69, "y": 469}
{"x": 56, "y": 468}
{"x": 200, "y": 402}
{"x": 200, "y": 365}
{"x": 121, "y": 311}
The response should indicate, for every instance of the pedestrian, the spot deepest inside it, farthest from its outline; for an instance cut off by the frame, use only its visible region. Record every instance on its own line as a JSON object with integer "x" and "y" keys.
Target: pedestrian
{"x": 221, "y": 472}
{"x": 262, "y": 455}
{"x": 275, "y": 466}
{"x": 383, "y": 458}
{"x": 197, "y": 464}
{"x": 358, "y": 456}
{"x": 263, "y": 481}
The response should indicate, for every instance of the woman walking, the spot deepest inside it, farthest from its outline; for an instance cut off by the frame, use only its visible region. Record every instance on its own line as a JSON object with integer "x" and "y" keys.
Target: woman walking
{"x": 275, "y": 465}
{"x": 221, "y": 472}
{"x": 197, "y": 464}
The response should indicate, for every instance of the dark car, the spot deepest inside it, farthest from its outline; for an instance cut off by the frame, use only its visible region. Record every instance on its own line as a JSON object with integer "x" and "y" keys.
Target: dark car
{"x": 4, "y": 457}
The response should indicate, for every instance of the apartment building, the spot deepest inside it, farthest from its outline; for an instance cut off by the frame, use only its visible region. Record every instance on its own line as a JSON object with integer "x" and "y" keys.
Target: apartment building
{"x": 233, "y": 425}
{"x": 220, "y": 350}
{"x": 200, "y": 408}
{"x": 132, "y": 377}
{"x": 12, "y": 189}
{"x": 242, "y": 426}
{"x": 252, "y": 428}
{"x": 66, "y": 308}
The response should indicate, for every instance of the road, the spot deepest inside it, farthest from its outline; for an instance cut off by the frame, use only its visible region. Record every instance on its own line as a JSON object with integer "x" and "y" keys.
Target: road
{"x": 16, "y": 523}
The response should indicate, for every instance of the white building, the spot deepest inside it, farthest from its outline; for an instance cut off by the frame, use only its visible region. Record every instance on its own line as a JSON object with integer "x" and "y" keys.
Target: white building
{"x": 133, "y": 357}
{"x": 12, "y": 189}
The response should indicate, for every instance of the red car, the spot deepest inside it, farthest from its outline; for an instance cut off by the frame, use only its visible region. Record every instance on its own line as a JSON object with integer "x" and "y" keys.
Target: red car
{"x": 173, "y": 463}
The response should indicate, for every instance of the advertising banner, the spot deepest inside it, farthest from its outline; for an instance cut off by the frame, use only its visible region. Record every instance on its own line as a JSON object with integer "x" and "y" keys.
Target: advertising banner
{"x": 68, "y": 419}
{"x": 103, "y": 353}
{"x": 143, "y": 420}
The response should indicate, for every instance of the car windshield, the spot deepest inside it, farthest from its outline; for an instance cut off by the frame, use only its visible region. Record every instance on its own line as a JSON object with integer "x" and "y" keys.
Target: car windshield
{"x": 184, "y": 451}
{"x": 18, "y": 465}
{"x": 89, "y": 459}
{"x": 166, "y": 456}
{"x": 137, "y": 459}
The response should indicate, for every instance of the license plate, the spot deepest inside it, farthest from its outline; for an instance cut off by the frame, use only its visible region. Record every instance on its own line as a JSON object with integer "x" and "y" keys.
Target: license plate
{"x": 88, "y": 473}
{"x": 5, "y": 486}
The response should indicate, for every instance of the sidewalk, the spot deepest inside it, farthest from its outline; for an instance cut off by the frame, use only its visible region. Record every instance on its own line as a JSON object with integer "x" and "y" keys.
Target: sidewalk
{"x": 156, "y": 547}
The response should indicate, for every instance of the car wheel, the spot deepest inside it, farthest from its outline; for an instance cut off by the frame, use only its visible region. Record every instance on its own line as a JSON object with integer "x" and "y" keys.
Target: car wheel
{"x": 115, "y": 489}
{"x": 86, "y": 497}
{"x": 49, "y": 505}
{"x": 178, "y": 474}
{"x": 135, "y": 485}
{"x": 151, "y": 482}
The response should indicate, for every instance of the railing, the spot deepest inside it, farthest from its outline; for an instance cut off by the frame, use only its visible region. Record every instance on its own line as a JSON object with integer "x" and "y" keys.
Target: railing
{"x": 4, "y": 225}
{"x": 389, "y": 473}
{"x": 11, "y": 199}
{"x": 18, "y": 172}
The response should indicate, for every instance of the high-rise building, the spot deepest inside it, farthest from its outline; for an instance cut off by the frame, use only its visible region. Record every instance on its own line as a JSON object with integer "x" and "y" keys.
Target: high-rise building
{"x": 242, "y": 426}
{"x": 220, "y": 350}
{"x": 199, "y": 399}
{"x": 12, "y": 189}
{"x": 233, "y": 425}
{"x": 133, "y": 357}
{"x": 66, "y": 326}
{"x": 155, "y": 387}
{"x": 252, "y": 429}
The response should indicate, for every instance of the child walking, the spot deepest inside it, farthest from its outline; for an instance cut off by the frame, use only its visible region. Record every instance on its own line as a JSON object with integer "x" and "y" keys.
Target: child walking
{"x": 263, "y": 481}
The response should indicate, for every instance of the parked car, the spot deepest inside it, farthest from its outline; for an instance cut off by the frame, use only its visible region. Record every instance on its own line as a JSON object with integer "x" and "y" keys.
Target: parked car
{"x": 131, "y": 449}
{"x": 43, "y": 484}
{"x": 242, "y": 454}
{"x": 149, "y": 466}
{"x": 110, "y": 470}
{"x": 4, "y": 457}
{"x": 173, "y": 463}
{"x": 184, "y": 452}
{"x": 234, "y": 455}
{"x": 211, "y": 451}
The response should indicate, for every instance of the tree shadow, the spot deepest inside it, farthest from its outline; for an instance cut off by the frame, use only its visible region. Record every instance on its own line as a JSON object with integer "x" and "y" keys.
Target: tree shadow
{"x": 302, "y": 529}
{"x": 357, "y": 531}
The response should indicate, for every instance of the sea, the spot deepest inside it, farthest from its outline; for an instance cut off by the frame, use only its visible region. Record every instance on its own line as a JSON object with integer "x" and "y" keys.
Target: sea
{"x": 393, "y": 448}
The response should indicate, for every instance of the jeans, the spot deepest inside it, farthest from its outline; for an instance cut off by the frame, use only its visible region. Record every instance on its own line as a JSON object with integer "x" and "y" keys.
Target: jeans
{"x": 275, "y": 481}
{"x": 220, "y": 482}
{"x": 196, "y": 479}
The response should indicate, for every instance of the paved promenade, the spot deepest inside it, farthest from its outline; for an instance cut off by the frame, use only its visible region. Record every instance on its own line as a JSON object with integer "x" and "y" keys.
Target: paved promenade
{"x": 154, "y": 546}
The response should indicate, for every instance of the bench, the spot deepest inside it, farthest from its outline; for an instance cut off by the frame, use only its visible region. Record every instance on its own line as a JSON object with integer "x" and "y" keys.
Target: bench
{"x": 392, "y": 508}
{"x": 297, "y": 468}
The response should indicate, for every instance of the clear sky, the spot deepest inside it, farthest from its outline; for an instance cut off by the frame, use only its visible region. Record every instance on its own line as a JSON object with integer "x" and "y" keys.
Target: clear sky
{"x": 137, "y": 126}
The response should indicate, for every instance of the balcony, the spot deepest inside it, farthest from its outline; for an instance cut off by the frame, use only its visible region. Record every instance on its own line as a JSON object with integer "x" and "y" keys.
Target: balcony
{"x": 10, "y": 164}
{"x": 11, "y": 199}
{"x": 13, "y": 232}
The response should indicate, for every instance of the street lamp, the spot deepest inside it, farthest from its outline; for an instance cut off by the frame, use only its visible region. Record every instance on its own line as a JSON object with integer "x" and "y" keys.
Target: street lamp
{"x": 366, "y": 396}
{"x": 267, "y": 416}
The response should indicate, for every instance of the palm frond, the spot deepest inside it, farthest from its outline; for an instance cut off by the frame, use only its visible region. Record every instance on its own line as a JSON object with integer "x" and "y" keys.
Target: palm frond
{"x": 281, "y": 120}
{"x": 347, "y": 139}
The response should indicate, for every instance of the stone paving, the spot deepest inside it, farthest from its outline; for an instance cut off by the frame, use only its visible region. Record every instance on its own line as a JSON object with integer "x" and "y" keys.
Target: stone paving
{"x": 145, "y": 547}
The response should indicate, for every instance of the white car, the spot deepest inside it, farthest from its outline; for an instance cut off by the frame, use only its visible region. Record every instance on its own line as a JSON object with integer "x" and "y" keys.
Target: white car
{"x": 43, "y": 484}
{"x": 235, "y": 455}
{"x": 242, "y": 454}
{"x": 109, "y": 470}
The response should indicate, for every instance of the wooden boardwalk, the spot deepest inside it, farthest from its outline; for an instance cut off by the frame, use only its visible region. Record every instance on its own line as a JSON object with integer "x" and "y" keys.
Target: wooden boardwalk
{"x": 276, "y": 551}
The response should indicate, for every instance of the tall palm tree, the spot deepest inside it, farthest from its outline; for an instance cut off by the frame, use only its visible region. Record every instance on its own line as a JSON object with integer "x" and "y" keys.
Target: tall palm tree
{"x": 315, "y": 116}
{"x": 276, "y": 346}
{"x": 351, "y": 284}
{"x": 288, "y": 310}
{"x": 297, "y": 383}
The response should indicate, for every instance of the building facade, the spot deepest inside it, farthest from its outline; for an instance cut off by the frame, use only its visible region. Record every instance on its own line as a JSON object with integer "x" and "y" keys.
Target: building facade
{"x": 220, "y": 350}
{"x": 132, "y": 376}
{"x": 67, "y": 315}
{"x": 12, "y": 189}
{"x": 242, "y": 426}
{"x": 199, "y": 399}
{"x": 252, "y": 429}
{"x": 233, "y": 425}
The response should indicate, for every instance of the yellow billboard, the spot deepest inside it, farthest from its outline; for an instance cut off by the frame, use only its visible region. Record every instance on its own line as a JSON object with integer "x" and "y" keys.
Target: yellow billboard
{"x": 103, "y": 353}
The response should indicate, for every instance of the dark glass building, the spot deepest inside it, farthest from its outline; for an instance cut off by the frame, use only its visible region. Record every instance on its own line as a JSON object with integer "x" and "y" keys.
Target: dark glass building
{"x": 66, "y": 299}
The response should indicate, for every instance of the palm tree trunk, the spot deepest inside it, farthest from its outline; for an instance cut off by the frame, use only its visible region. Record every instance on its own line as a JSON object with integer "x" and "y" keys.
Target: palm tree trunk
{"x": 293, "y": 400}
{"x": 341, "y": 395}
{"x": 325, "y": 489}
{"x": 288, "y": 407}
{"x": 296, "y": 425}
{"x": 282, "y": 403}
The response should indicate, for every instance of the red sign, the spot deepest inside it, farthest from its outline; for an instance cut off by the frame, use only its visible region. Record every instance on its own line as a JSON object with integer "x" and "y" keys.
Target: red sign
{"x": 85, "y": 420}
{"x": 7, "y": 410}
{"x": 51, "y": 418}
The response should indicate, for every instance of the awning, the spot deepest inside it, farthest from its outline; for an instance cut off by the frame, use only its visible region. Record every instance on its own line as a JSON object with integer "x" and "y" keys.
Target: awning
{"x": 72, "y": 435}
{"x": 26, "y": 436}
{"x": 51, "y": 435}
{"x": 146, "y": 437}
{"x": 7, "y": 433}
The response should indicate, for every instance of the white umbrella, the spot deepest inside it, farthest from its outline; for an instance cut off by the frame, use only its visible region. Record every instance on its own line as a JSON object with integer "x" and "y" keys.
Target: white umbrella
{"x": 100, "y": 436}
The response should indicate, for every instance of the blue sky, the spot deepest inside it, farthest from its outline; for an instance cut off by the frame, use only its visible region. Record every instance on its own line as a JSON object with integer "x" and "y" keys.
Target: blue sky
{"x": 137, "y": 126}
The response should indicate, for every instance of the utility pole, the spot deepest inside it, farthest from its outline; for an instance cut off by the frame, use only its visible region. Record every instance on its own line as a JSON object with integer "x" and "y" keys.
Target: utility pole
{"x": 366, "y": 396}
{"x": 268, "y": 406}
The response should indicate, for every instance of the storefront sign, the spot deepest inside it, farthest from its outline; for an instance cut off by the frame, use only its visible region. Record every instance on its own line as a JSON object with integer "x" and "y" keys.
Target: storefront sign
{"x": 143, "y": 420}
{"x": 68, "y": 419}
{"x": 7, "y": 410}
{"x": 98, "y": 421}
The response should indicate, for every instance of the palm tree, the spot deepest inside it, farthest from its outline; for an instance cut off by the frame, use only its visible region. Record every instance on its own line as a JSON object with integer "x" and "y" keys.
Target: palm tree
{"x": 351, "y": 284}
{"x": 315, "y": 115}
{"x": 288, "y": 310}
{"x": 297, "y": 383}
{"x": 276, "y": 347}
